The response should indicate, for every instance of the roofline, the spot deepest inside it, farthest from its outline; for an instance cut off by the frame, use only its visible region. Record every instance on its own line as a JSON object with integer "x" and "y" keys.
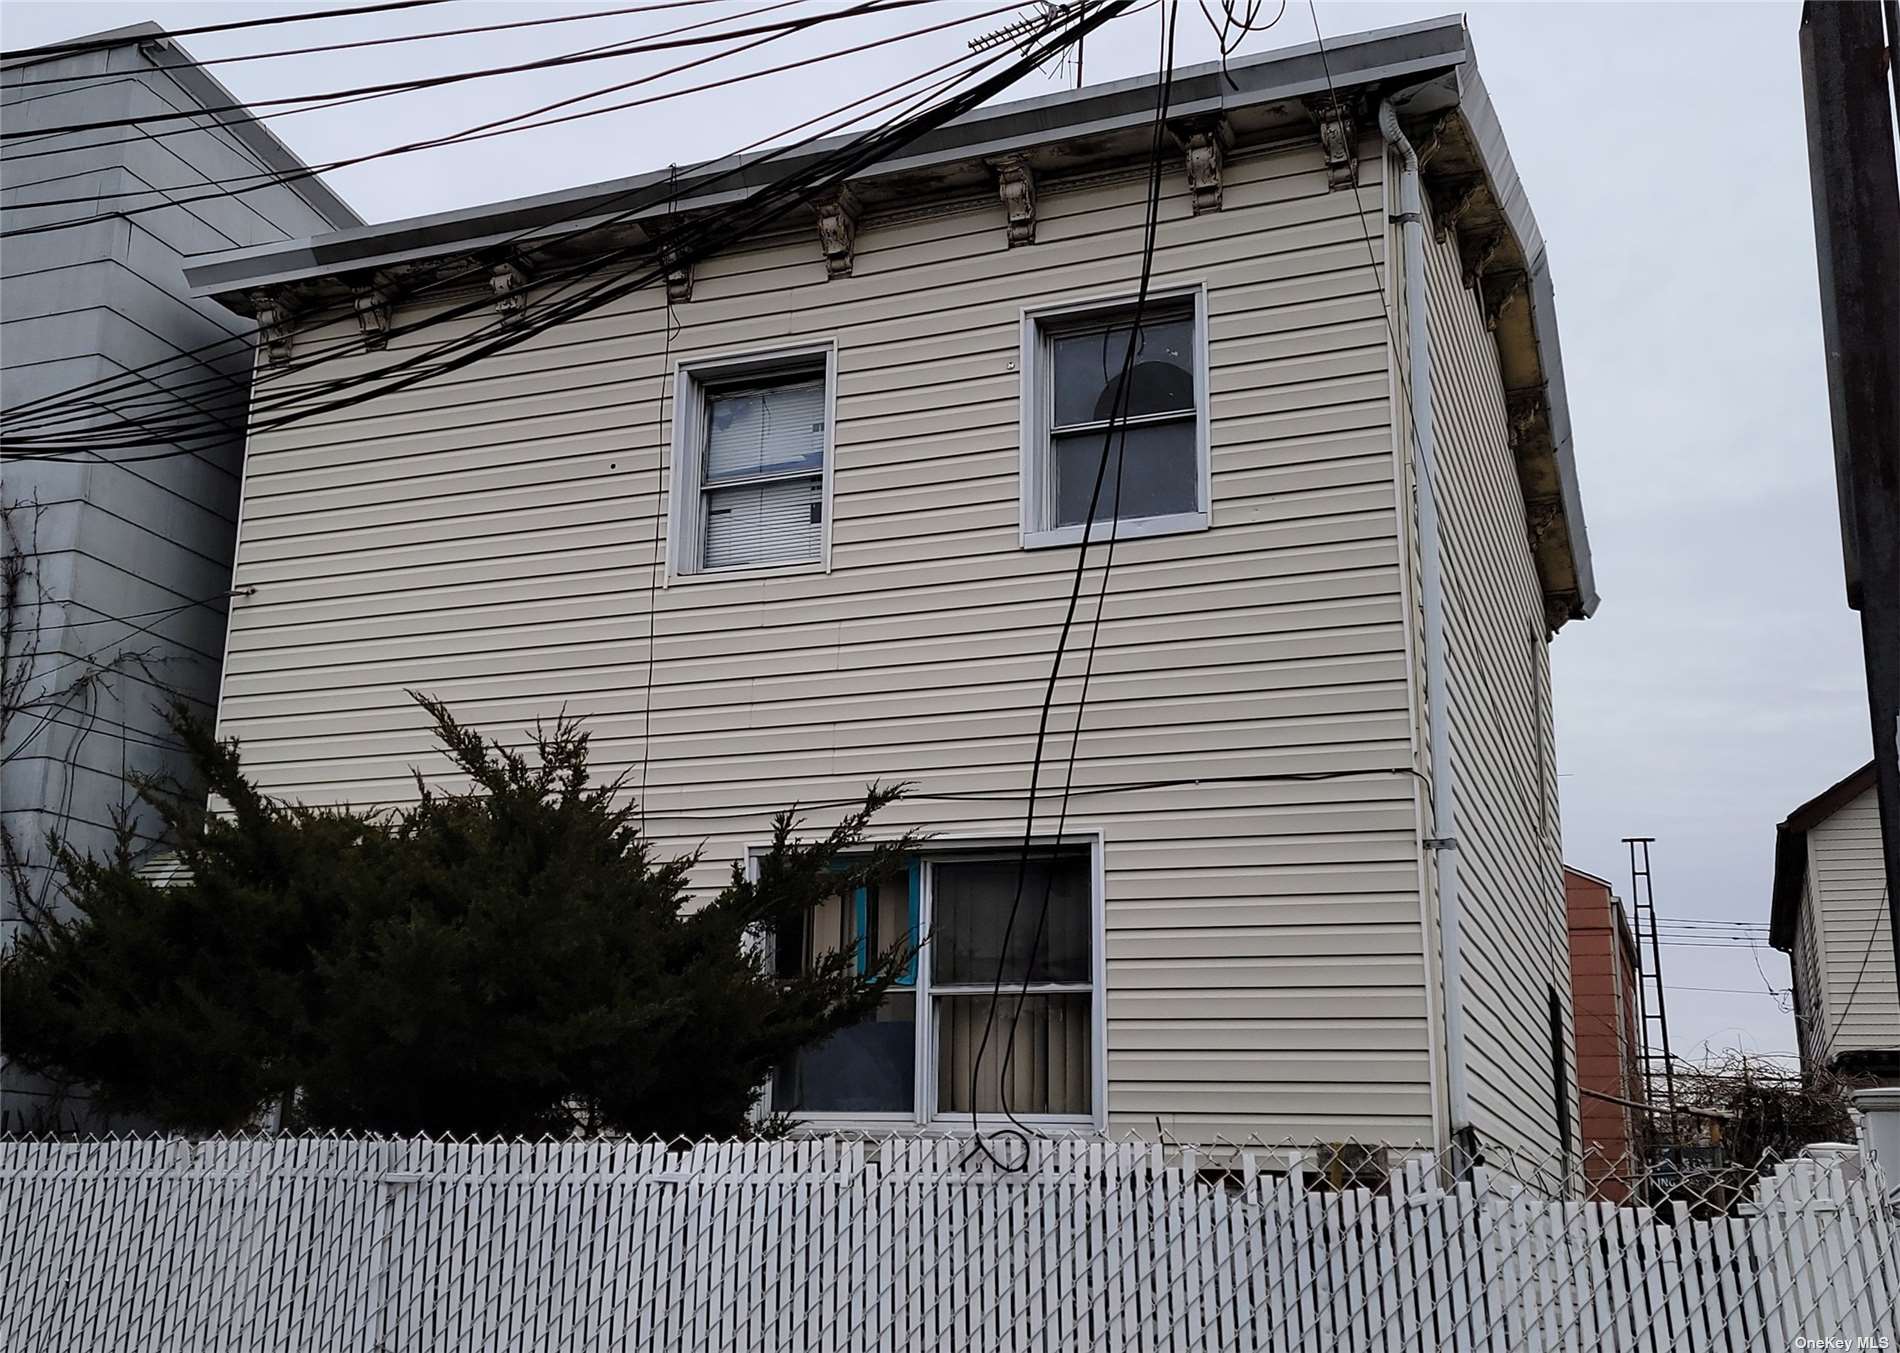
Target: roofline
{"x": 166, "y": 53}
{"x": 1586, "y": 874}
{"x": 1791, "y": 851}
{"x": 1431, "y": 62}
{"x": 1407, "y": 51}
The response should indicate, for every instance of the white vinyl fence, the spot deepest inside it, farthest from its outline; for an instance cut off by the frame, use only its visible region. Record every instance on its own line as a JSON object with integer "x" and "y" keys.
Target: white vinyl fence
{"x": 344, "y": 1244}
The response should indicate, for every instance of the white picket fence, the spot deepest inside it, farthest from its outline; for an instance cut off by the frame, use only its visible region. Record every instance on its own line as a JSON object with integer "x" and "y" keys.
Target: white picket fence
{"x": 344, "y": 1244}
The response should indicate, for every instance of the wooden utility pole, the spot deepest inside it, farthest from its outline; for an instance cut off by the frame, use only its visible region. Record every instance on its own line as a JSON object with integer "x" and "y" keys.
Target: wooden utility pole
{"x": 1846, "y": 75}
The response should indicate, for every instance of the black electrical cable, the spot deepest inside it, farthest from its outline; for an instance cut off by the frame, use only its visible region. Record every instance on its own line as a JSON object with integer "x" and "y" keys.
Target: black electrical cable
{"x": 635, "y": 48}
{"x": 701, "y": 238}
{"x": 196, "y": 63}
{"x": 66, "y": 405}
{"x": 271, "y": 178}
{"x": 352, "y": 344}
{"x": 609, "y": 49}
{"x": 688, "y": 243}
{"x": 499, "y": 127}
{"x": 1117, "y": 422}
{"x": 51, "y": 51}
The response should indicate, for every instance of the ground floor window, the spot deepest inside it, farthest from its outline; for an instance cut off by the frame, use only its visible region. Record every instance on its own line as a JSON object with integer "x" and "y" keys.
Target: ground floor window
{"x": 1033, "y": 980}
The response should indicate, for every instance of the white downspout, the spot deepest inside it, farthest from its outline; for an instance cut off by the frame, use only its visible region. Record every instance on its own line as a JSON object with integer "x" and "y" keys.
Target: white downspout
{"x": 1442, "y": 842}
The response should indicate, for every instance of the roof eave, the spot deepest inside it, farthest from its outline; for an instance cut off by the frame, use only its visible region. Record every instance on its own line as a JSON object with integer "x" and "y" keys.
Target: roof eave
{"x": 1431, "y": 61}
{"x": 1791, "y": 852}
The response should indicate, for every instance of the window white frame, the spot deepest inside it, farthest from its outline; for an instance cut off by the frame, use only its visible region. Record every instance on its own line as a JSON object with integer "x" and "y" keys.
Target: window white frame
{"x": 693, "y": 380}
{"x": 1036, "y": 406}
{"x": 924, "y": 1110}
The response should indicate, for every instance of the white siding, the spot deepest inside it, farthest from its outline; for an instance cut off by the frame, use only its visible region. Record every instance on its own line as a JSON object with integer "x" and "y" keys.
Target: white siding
{"x": 1846, "y": 888}
{"x": 490, "y": 538}
{"x": 1810, "y": 992}
{"x": 1510, "y": 867}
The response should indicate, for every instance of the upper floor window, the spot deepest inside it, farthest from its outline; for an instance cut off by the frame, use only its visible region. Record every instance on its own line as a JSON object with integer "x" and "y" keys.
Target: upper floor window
{"x": 1137, "y": 425}
{"x": 751, "y": 463}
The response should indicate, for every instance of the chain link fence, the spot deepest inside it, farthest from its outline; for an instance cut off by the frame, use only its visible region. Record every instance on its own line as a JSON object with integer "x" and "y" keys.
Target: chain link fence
{"x": 926, "y": 1242}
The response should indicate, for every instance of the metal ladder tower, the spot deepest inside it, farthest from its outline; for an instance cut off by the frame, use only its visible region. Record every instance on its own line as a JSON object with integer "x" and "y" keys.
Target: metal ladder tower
{"x": 1659, "y": 1067}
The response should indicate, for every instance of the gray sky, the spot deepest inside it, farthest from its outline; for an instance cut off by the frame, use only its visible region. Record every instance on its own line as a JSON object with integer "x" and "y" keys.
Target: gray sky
{"x": 1664, "y": 152}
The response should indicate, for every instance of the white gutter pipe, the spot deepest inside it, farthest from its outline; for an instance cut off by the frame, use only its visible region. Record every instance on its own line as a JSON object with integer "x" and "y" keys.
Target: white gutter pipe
{"x": 1441, "y": 842}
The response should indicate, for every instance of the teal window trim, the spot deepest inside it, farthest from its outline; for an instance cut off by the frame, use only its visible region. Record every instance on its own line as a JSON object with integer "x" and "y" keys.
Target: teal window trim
{"x": 861, "y": 925}
{"x": 861, "y": 920}
{"x": 914, "y": 879}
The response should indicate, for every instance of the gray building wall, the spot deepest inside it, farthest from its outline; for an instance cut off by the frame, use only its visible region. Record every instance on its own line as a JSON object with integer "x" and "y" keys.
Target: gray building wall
{"x": 120, "y": 607}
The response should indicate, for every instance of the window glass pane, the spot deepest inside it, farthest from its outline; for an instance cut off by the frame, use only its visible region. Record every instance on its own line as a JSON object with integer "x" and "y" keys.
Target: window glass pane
{"x": 775, "y": 522}
{"x": 765, "y": 430}
{"x": 1047, "y": 1052}
{"x": 1159, "y": 464}
{"x": 1088, "y": 369}
{"x": 972, "y": 904}
{"x": 868, "y": 1068}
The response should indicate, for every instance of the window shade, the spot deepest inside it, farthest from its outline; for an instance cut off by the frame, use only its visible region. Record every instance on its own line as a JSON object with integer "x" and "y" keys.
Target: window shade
{"x": 973, "y": 904}
{"x": 778, "y": 521}
{"x": 765, "y": 430}
{"x": 1049, "y": 1068}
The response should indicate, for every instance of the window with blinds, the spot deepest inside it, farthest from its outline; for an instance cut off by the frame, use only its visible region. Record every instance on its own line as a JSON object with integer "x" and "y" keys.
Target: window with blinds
{"x": 756, "y": 438}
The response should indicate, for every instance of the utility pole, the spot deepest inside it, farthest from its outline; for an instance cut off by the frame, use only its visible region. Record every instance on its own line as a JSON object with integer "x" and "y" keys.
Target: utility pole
{"x": 1846, "y": 75}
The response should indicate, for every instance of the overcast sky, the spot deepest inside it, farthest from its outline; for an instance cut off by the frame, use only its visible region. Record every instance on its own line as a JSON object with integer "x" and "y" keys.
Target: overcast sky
{"x": 1663, "y": 149}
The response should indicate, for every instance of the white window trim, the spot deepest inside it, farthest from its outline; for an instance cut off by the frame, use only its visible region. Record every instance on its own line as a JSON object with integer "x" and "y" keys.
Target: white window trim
{"x": 1034, "y": 384}
{"x": 684, "y": 525}
{"x": 924, "y": 1113}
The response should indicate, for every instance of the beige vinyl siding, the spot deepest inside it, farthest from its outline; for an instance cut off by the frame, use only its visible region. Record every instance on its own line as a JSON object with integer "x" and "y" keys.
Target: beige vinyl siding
{"x": 1510, "y": 870}
{"x": 1846, "y": 889}
{"x": 491, "y": 537}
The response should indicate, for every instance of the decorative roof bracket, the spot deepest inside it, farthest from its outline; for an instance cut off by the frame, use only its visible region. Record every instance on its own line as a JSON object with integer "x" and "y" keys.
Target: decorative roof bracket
{"x": 838, "y": 230}
{"x": 1206, "y": 142}
{"x": 509, "y": 281}
{"x": 276, "y": 321}
{"x": 1016, "y": 185}
{"x": 1478, "y": 249}
{"x": 375, "y": 307}
{"x": 1456, "y": 200}
{"x": 1527, "y": 421}
{"x": 1498, "y": 290}
{"x": 1339, "y": 138}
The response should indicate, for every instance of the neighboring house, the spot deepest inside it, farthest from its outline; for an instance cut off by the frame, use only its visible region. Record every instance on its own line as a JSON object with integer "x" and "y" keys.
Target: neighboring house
{"x": 122, "y": 603}
{"x": 1830, "y": 917}
{"x": 1604, "y": 967}
{"x": 807, "y": 517}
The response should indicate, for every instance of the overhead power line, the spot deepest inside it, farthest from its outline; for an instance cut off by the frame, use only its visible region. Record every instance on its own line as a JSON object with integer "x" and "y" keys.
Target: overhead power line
{"x": 76, "y": 404}
{"x": 50, "y": 51}
{"x": 690, "y": 242}
{"x": 634, "y": 48}
{"x": 196, "y": 63}
{"x": 500, "y": 126}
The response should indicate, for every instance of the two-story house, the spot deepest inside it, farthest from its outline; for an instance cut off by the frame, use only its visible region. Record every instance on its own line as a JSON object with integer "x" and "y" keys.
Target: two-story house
{"x": 1829, "y": 915}
{"x": 806, "y": 514}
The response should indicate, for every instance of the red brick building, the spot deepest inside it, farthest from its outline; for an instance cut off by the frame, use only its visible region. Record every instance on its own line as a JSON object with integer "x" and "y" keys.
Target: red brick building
{"x": 1603, "y": 968}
